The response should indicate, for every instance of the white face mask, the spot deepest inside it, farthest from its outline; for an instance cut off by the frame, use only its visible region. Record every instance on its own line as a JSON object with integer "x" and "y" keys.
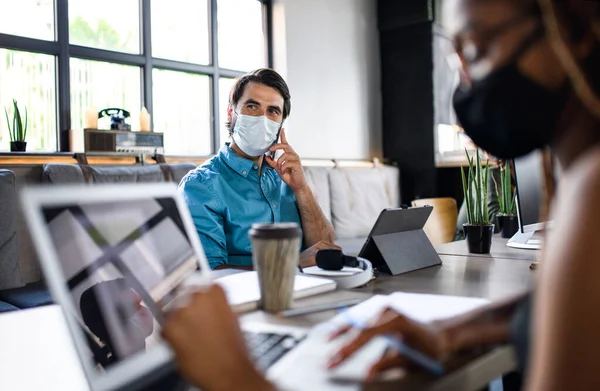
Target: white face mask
{"x": 255, "y": 135}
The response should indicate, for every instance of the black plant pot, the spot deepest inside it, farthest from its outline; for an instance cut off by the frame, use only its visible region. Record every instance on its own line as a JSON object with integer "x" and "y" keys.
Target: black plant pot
{"x": 479, "y": 238}
{"x": 508, "y": 225}
{"x": 18, "y": 146}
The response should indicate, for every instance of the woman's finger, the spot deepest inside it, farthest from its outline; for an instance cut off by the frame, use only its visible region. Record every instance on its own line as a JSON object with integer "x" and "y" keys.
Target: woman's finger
{"x": 388, "y": 362}
{"x": 340, "y": 332}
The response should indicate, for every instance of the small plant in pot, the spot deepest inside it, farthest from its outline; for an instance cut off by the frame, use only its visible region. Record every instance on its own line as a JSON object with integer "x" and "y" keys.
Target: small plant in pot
{"x": 479, "y": 231}
{"x": 18, "y": 131}
{"x": 507, "y": 218}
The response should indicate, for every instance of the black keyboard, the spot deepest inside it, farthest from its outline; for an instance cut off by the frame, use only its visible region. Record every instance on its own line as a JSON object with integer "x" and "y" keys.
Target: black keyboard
{"x": 265, "y": 348}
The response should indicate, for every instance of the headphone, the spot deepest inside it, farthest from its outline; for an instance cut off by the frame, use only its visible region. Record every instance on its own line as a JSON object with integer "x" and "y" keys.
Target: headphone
{"x": 333, "y": 259}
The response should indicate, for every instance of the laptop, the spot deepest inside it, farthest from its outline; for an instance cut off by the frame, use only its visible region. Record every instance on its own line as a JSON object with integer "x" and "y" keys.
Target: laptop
{"x": 114, "y": 257}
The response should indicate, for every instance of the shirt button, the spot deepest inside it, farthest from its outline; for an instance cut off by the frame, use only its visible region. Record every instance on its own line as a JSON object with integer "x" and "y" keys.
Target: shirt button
{"x": 274, "y": 205}
{"x": 255, "y": 167}
{"x": 244, "y": 172}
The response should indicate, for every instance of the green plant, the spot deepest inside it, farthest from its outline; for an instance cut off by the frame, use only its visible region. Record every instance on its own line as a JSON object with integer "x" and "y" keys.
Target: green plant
{"x": 506, "y": 195}
{"x": 19, "y": 129}
{"x": 475, "y": 191}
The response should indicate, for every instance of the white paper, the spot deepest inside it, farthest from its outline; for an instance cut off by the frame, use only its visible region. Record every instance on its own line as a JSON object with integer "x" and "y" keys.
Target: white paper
{"x": 420, "y": 307}
{"x": 345, "y": 272}
{"x": 243, "y": 288}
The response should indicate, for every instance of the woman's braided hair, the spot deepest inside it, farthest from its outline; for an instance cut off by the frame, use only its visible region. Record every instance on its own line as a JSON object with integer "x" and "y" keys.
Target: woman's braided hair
{"x": 584, "y": 18}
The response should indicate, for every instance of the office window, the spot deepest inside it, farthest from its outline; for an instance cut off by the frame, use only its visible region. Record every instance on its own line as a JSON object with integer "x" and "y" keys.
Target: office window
{"x": 103, "y": 85}
{"x": 29, "y": 78}
{"x": 27, "y": 18}
{"x": 225, "y": 85}
{"x": 107, "y": 24}
{"x": 180, "y": 30}
{"x": 241, "y": 35}
{"x": 177, "y": 58}
{"x": 182, "y": 112}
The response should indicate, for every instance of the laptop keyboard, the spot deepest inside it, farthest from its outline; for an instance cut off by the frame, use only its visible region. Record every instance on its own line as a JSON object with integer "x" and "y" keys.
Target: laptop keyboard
{"x": 266, "y": 348}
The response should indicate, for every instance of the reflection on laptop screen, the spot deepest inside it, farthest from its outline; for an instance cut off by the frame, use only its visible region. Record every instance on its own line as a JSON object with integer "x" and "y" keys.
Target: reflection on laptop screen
{"x": 123, "y": 262}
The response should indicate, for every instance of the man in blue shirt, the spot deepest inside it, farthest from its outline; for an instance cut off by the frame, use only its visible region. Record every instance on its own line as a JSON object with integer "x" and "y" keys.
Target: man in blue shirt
{"x": 242, "y": 186}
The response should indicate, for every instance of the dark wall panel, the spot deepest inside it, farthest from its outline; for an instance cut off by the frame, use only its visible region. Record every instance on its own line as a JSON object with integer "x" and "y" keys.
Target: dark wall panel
{"x": 399, "y": 13}
{"x": 408, "y": 110}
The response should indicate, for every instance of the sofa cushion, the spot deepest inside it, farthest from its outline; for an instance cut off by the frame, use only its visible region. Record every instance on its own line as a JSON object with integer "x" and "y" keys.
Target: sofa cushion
{"x": 318, "y": 181}
{"x": 5, "y": 307}
{"x": 358, "y": 195}
{"x": 10, "y": 276}
{"x": 179, "y": 170}
{"x": 62, "y": 173}
{"x": 72, "y": 173}
{"x": 31, "y": 295}
{"x": 127, "y": 174}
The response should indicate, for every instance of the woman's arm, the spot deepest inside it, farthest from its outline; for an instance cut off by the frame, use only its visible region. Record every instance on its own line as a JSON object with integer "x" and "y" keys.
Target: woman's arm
{"x": 210, "y": 350}
{"x": 566, "y": 326}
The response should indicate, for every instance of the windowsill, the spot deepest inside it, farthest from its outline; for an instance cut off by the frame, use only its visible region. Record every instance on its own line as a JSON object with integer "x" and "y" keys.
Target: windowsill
{"x": 37, "y": 158}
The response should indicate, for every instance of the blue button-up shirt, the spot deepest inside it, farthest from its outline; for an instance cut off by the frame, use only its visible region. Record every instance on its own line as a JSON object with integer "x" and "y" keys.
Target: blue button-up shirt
{"x": 226, "y": 196}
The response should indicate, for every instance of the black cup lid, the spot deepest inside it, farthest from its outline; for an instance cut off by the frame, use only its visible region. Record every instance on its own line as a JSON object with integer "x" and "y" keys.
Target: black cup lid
{"x": 275, "y": 231}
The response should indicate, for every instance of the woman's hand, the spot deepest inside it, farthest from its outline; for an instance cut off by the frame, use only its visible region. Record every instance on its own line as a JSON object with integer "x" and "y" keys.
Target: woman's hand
{"x": 427, "y": 339}
{"x": 209, "y": 346}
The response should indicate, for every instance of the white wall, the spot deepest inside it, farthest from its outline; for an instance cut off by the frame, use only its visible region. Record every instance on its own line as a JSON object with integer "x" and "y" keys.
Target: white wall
{"x": 328, "y": 51}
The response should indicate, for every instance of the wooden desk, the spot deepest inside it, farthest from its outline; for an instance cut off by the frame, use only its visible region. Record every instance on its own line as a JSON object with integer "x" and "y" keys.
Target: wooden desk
{"x": 488, "y": 277}
{"x": 499, "y": 250}
{"x": 52, "y": 358}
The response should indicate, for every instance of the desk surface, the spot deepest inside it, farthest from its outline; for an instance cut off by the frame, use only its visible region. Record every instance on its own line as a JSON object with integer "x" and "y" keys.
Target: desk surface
{"x": 488, "y": 277}
{"x": 499, "y": 250}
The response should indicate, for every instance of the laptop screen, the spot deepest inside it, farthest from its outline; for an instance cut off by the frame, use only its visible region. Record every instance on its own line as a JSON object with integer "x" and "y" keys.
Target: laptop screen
{"x": 123, "y": 262}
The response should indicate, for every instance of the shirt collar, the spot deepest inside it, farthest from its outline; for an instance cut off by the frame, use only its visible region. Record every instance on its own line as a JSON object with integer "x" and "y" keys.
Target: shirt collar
{"x": 240, "y": 165}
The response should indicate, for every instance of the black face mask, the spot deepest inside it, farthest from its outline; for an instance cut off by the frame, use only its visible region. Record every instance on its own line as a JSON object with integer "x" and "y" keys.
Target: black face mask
{"x": 507, "y": 114}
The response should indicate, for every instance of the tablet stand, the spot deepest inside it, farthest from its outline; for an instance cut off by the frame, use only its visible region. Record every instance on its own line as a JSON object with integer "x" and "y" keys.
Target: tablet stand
{"x": 401, "y": 252}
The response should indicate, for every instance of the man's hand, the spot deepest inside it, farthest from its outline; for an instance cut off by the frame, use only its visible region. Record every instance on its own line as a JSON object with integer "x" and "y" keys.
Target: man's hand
{"x": 307, "y": 257}
{"x": 209, "y": 348}
{"x": 288, "y": 166}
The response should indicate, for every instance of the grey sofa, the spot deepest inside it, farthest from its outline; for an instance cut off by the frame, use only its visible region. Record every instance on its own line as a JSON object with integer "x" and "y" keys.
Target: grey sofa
{"x": 10, "y": 276}
{"x": 351, "y": 197}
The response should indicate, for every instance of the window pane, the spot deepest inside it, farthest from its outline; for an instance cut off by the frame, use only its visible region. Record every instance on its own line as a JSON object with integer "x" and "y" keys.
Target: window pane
{"x": 108, "y": 24}
{"x": 28, "y": 18}
{"x": 225, "y": 85}
{"x": 180, "y": 30}
{"x": 241, "y": 36}
{"x": 182, "y": 112}
{"x": 30, "y": 79}
{"x": 102, "y": 85}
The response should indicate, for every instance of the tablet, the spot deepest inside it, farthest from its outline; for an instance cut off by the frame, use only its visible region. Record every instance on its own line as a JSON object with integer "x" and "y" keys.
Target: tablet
{"x": 397, "y": 243}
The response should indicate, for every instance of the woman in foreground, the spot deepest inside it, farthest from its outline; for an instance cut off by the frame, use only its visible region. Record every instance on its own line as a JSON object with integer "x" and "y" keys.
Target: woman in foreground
{"x": 532, "y": 80}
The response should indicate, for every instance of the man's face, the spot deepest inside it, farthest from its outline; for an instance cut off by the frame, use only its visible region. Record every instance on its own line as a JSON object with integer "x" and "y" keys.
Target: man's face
{"x": 257, "y": 100}
{"x": 487, "y": 34}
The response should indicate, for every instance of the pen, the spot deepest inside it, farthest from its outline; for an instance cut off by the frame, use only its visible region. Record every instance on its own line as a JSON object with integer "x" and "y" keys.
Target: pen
{"x": 318, "y": 308}
{"x": 409, "y": 353}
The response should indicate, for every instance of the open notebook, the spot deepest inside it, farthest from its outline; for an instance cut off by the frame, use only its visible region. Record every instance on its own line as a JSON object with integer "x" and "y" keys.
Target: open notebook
{"x": 243, "y": 292}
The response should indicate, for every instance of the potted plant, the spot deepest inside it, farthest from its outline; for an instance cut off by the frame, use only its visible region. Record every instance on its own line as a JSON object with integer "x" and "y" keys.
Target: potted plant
{"x": 18, "y": 132}
{"x": 478, "y": 230}
{"x": 507, "y": 218}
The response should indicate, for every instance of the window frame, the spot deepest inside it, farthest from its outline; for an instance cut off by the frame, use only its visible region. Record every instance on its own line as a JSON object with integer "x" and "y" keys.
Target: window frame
{"x": 63, "y": 51}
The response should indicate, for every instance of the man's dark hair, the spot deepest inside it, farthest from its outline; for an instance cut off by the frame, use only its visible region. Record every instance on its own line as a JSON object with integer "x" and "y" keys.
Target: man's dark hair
{"x": 265, "y": 76}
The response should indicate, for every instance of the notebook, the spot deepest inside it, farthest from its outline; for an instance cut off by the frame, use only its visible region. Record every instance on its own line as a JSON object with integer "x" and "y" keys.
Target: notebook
{"x": 243, "y": 292}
